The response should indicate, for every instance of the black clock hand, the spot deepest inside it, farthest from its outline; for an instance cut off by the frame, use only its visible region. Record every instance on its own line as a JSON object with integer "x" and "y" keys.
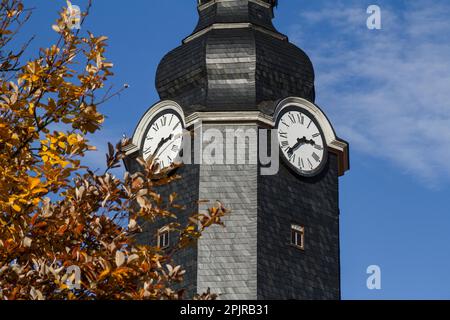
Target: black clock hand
{"x": 175, "y": 138}
{"x": 297, "y": 145}
{"x": 161, "y": 143}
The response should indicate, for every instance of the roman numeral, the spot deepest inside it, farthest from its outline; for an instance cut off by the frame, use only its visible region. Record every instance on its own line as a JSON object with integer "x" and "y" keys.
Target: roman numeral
{"x": 318, "y": 147}
{"x": 316, "y": 157}
{"x": 284, "y": 144}
{"x": 285, "y": 123}
{"x": 300, "y": 163}
{"x": 149, "y": 138}
{"x": 283, "y": 135}
{"x": 175, "y": 148}
{"x": 148, "y": 150}
{"x": 156, "y": 127}
{"x": 292, "y": 118}
{"x": 176, "y": 126}
{"x": 292, "y": 159}
{"x": 170, "y": 159}
{"x": 316, "y": 135}
{"x": 163, "y": 121}
{"x": 171, "y": 118}
{"x": 310, "y": 164}
{"x": 310, "y": 123}
{"x": 301, "y": 118}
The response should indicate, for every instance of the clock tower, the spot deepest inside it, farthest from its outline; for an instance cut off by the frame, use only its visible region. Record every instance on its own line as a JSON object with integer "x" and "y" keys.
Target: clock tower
{"x": 236, "y": 80}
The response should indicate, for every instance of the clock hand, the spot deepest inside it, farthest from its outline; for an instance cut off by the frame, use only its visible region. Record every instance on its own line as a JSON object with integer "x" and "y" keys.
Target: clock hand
{"x": 297, "y": 145}
{"x": 175, "y": 138}
{"x": 160, "y": 144}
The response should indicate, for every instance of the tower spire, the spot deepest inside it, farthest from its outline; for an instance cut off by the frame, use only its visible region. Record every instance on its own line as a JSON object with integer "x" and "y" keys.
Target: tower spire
{"x": 273, "y": 3}
{"x": 257, "y": 12}
{"x": 235, "y": 60}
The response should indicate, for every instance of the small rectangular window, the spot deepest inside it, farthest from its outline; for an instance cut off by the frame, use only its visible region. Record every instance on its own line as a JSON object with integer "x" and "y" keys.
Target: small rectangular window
{"x": 163, "y": 238}
{"x": 298, "y": 237}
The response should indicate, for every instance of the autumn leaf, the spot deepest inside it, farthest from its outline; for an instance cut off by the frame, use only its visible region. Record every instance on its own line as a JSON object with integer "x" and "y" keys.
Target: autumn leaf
{"x": 120, "y": 258}
{"x": 61, "y": 230}
{"x": 27, "y": 242}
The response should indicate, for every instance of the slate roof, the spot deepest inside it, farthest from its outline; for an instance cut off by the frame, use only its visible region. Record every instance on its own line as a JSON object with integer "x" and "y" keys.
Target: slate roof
{"x": 235, "y": 60}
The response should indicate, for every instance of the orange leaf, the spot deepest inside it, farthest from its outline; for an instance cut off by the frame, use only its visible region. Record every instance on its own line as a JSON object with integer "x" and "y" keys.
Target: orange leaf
{"x": 41, "y": 224}
{"x": 39, "y": 190}
{"x": 33, "y": 220}
{"x": 103, "y": 274}
{"x": 62, "y": 229}
{"x": 79, "y": 229}
{"x": 33, "y": 182}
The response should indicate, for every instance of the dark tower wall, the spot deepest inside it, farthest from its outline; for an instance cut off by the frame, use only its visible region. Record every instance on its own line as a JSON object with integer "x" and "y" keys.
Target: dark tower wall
{"x": 227, "y": 257}
{"x": 284, "y": 271}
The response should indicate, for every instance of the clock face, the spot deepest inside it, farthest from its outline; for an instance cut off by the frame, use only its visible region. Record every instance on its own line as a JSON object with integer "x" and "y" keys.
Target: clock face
{"x": 164, "y": 138}
{"x": 301, "y": 141}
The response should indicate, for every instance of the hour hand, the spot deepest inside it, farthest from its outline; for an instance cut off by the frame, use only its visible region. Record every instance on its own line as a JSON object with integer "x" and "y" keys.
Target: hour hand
{"x": 162, "y": 143}
{"x": 311, "y": 142}
{"x": 298, "y": 144}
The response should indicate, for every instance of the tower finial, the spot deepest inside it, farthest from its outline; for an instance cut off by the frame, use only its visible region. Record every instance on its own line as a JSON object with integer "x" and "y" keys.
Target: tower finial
{"x": 274, "y": 3}
{"x": 256, "y": 12}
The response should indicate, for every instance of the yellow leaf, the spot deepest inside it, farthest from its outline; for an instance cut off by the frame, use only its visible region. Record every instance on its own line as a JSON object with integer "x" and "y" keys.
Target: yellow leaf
{"x": 72, "y": 139}
{"x": 33, "y": 182}
{"x": 63, "y": 286}
{"x": 103, "y": 274}
{"x": 16, "y": 208}
{"x": 31, "y": 109}
{"x": 64, "y": 163}
{"x": 39, "y": 190}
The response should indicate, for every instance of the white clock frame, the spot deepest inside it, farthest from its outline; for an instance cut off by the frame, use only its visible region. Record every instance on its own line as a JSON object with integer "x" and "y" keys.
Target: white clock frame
{"x": 141, "y": 130}
{"x": 324, "y": 151}
{"x": 335, "y": 144}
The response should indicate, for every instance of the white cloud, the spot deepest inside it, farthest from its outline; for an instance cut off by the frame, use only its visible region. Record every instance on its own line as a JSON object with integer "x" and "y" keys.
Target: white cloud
{"x": 387, "y": 91}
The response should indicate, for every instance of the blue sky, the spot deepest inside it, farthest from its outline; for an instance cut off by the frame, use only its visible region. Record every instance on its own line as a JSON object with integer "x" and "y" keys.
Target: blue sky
{"x": 386, "y": 91}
